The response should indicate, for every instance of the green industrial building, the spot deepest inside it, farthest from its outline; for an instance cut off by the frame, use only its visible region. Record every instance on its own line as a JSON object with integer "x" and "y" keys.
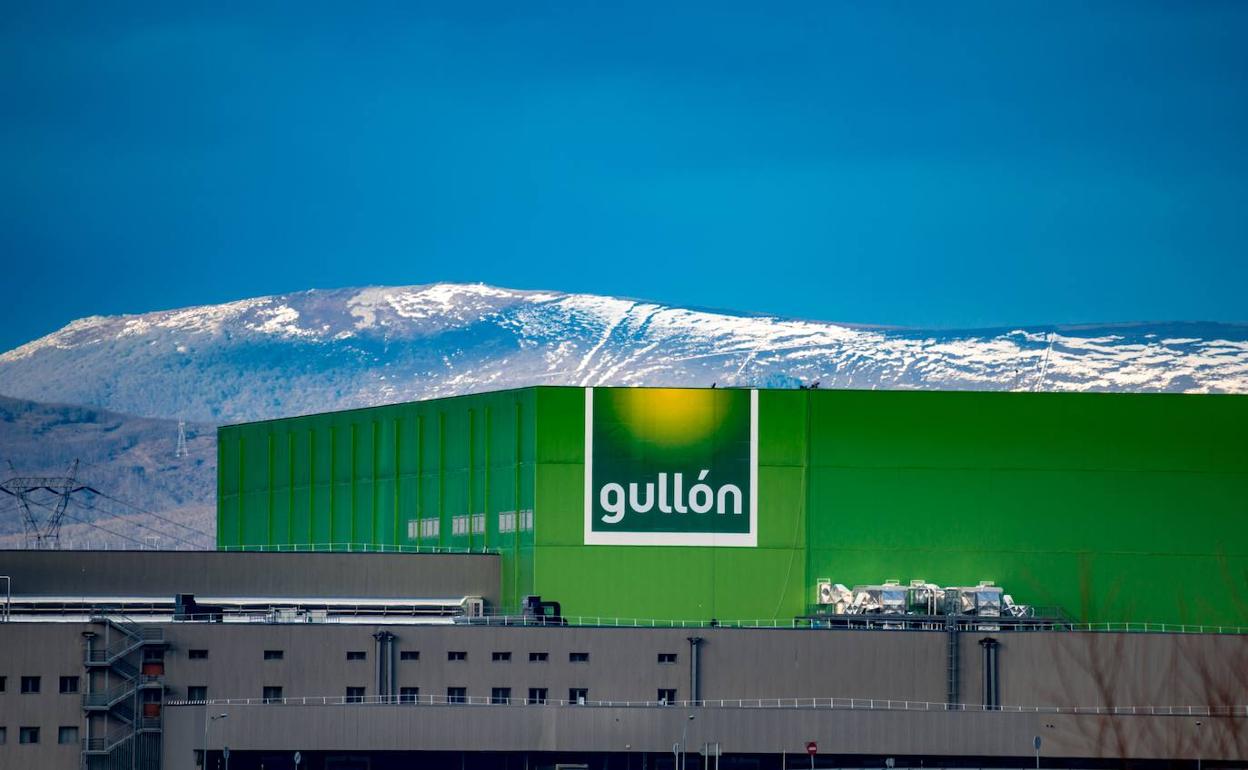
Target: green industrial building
{"x": 734, "y": 504}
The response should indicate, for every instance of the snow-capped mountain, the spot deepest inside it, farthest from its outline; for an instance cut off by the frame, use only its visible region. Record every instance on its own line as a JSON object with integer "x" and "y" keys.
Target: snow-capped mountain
{"x": 319, "y": 350}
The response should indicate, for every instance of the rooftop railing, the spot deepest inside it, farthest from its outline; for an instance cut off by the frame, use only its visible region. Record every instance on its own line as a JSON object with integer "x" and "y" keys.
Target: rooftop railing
{"x": 854, "y": 704}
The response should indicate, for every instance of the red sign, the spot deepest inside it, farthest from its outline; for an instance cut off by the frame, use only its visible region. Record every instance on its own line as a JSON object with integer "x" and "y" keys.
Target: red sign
{"x": 812, "y": 748}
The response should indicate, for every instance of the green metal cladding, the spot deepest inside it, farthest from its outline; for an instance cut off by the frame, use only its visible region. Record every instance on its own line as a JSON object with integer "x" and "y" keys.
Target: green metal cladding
{"x": 1111, "y": 506}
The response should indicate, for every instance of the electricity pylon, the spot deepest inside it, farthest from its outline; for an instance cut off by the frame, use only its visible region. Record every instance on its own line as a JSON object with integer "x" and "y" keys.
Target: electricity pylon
{"x": 45, "y": 534}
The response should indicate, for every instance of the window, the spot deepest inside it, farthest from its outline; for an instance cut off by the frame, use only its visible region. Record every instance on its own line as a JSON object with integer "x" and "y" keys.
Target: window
{"x": 507, "y": 522}
{"x": 69, "y": 684}
{"x": 355, "y": 695}
{"x": 667, "y": 657}
{"x": 28, "y": 735}
{"x": 274, "y": 654}
{"x": 578, "y": 695}
{"x": 30, "y": 685}
{"x": 537, "y": 696}
{"x": 457, "y": 655}
{"x": 413, "y": 529}
{"x": 67, "y": 734}
{"x": 539, "y": 657}
{"x": 430, "y": 527}
{"x": 272, "y": 694}
{"x": 409, "y": 694}
{"x": 457, "y": 695}
{"x": 3, "y": 681}
{"x": 500, "y": 696}
{"x": 578, "y": 657}
{"x": 356, "y": 655}
{"x": 667, "y": 697}
{"x": 409, "y": 654}
{"x": 502, "y": 657}
{"x": 197, "y": 692}
{"x": 4, "y": 735}
{"x": 197, "y": 654}
{"x": 459, "y": 525}
{"x": 478, "y": 524}
{"x": 526, "y": 520}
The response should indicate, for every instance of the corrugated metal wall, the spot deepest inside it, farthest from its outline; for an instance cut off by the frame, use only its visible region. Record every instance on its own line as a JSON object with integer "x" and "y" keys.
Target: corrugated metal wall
{"x": 1111, "y": 506}
{"x": 418, "y": 476}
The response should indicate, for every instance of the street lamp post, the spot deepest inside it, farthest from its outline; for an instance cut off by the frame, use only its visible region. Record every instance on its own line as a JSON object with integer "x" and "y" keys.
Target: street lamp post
{"x": 1198, "y": 752}
{"x": 684, "y": 734}
{"x": 207, "y": 721}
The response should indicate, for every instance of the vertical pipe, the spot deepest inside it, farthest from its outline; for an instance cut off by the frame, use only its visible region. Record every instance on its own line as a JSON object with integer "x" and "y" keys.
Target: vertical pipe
{"x": 311, "y": 485}
{"x": 390, "y": 660}
{"x": 695, "y": 695}
{"x": 992, "y": 687}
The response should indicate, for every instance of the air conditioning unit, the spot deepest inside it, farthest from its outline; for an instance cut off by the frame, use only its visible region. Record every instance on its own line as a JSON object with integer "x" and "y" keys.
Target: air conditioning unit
{"x": 474, "y": 606}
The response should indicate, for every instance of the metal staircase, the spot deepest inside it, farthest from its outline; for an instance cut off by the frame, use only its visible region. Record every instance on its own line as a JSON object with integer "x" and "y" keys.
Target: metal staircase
{"x": 122, "y": 704}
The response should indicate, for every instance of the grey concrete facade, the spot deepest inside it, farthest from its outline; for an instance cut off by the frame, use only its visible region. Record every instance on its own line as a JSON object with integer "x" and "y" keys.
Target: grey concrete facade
{"x": 218, "y": 573}
{"x": 623, "y": 665}
{"x": 762, "y": 693}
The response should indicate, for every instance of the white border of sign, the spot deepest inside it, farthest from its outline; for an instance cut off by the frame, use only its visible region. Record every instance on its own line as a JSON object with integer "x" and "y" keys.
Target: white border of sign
{"x": 733, "y": 540}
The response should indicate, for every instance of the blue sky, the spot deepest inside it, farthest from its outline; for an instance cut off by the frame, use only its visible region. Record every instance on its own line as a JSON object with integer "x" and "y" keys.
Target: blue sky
{"x": 954, "y": 165}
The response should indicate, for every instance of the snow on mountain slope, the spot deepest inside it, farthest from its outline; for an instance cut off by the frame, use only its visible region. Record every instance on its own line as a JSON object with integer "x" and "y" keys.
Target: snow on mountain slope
{"x": 319, "y": 350}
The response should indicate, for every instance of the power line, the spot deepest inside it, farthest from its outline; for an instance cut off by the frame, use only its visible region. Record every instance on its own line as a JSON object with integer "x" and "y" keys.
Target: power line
{"x": 152, "y": 514}
{"x": 105, "y": 529}
{"x": 137, "y": 524}
{"x": 133, "y": 523}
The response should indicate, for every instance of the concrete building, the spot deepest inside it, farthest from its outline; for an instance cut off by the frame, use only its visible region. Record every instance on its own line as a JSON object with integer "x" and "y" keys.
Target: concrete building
{"x": 717, "y": 568}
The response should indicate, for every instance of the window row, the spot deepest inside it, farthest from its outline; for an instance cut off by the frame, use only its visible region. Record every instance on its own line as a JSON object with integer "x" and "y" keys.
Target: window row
{"x": 32, "y": 685}
{"x": 499, "y": 656}
{"x": 498, "y": 696}
{"x": 65, "y": 735}
{"x": 464, "y": 524}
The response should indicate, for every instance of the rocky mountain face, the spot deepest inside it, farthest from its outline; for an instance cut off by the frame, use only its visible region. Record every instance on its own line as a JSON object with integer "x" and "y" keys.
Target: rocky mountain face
{"x": 320, "y": 350}
{"x": 314, "y": 351}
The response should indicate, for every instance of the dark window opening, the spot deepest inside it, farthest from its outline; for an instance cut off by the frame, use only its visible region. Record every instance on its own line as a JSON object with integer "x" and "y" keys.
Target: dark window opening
{"x": 69, "y": 684}
{"x": 667, "y": 657}
{"x": 457, "y": 695}
{"x": 500, "y": 696}
{"x": 667, "y": 697}
{"x": 578, "y": 657}
{"x": 578, "y": 695}
{"x": 272, "y": 694}
{"x": 539, "y": 657}
{"x": 355, "y": 695}
{"x": 502, "y": 657}
{"x": 28, "y": 735}
{"x": 356, "y": 655}
{"x": 197, "y": 654}
{"x": 197, "y": 692}
{"x": 457, "y": 655}
{"x": 274, "y": 654}
{"x": 67, "y": 735}
{"x": 537, "y": 696}
{"x": 409, "y": 694}
{"x": 409, "y": 654}
{"x": 30, "y": 685}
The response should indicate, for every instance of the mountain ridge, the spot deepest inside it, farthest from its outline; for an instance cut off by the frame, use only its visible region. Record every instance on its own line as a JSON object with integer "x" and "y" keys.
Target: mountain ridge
{"x": 324, "y": 349}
